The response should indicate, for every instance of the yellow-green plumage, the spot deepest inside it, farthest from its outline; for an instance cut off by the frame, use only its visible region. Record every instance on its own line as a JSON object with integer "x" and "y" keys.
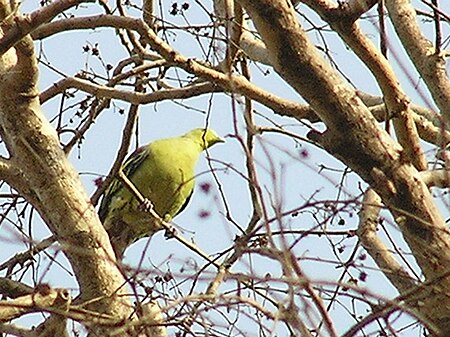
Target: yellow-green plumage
{"x": 163, "y": 171}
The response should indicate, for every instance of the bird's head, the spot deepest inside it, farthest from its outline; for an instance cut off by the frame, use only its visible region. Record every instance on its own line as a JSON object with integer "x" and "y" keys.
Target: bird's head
{"x": 206, "y": 137}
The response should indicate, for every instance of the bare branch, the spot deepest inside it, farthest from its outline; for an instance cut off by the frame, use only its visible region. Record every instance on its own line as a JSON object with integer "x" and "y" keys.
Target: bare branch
{"x": 13, "y": 289}
{"x": 428, "y": 63}
{"x": 44, "y": 299}
{"x": 437, "y": 178}
{"x": 232, "y": 83}
{"x": 353, "y": 136}
{"x": 367, "y": 233}
{"x": 129, "y": 96}
{"x": 21, "y": 258}
{"x": 397, "y": 103}
{"x": 18, "y": 26}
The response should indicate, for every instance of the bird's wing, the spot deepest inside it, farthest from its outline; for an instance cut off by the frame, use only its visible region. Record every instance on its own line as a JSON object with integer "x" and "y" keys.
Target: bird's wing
{"x": 131, "y": 165}
{"x": 186, "y": 202}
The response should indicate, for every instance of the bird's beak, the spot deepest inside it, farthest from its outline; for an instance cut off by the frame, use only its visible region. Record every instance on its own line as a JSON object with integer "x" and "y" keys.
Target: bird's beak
{"x": 219, "y": 140}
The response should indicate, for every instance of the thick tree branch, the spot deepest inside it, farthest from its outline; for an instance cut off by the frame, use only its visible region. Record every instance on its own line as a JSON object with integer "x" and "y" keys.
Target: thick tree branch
{"x": 11, "y": 172}
{"x": 354, "y": 137}
{"x": 429, "y": 64}
{"x": 59, "y": 195}
{"x": 254, "y": 48}
{"x": 397, "y": 103}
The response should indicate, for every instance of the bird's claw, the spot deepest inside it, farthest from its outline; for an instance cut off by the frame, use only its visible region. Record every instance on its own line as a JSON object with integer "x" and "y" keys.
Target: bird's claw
{"x": 170, "y": 233}
{"x": 146, "y": 205}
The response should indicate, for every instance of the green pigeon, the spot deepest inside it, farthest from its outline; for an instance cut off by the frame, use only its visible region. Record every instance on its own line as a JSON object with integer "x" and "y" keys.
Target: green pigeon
{"x": 163, "y": 172}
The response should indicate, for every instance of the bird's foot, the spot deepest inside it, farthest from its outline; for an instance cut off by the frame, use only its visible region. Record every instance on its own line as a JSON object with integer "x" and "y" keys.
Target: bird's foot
{"x": 146, "y": 205}
{"x": 170, "y": 233}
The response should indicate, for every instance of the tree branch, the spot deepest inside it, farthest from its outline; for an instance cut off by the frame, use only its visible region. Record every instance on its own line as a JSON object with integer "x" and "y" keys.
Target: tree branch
{"x": 429, "y": 64}
{"x": 397, "y": 103}
{"x": 59, "y": 195}
{"x": 43, "y": 299}
{"x": 13, "y": 289}
{"x": 354, "y": 137}
{"x": 232, "y": 83}
{"x": 130, "y": 96}
{"x": 17, "y": 26}
{"x": 367, "y": 233}
{"x": 437, "y": 178}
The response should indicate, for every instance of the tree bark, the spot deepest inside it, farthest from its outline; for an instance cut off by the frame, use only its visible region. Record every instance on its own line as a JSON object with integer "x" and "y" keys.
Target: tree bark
{"x": 354, "y": 137}
{"x": 40, "y": 171}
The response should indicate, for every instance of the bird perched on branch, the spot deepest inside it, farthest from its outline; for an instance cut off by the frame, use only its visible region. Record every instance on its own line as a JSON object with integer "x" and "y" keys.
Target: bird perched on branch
{"x": 163, "y": 172}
